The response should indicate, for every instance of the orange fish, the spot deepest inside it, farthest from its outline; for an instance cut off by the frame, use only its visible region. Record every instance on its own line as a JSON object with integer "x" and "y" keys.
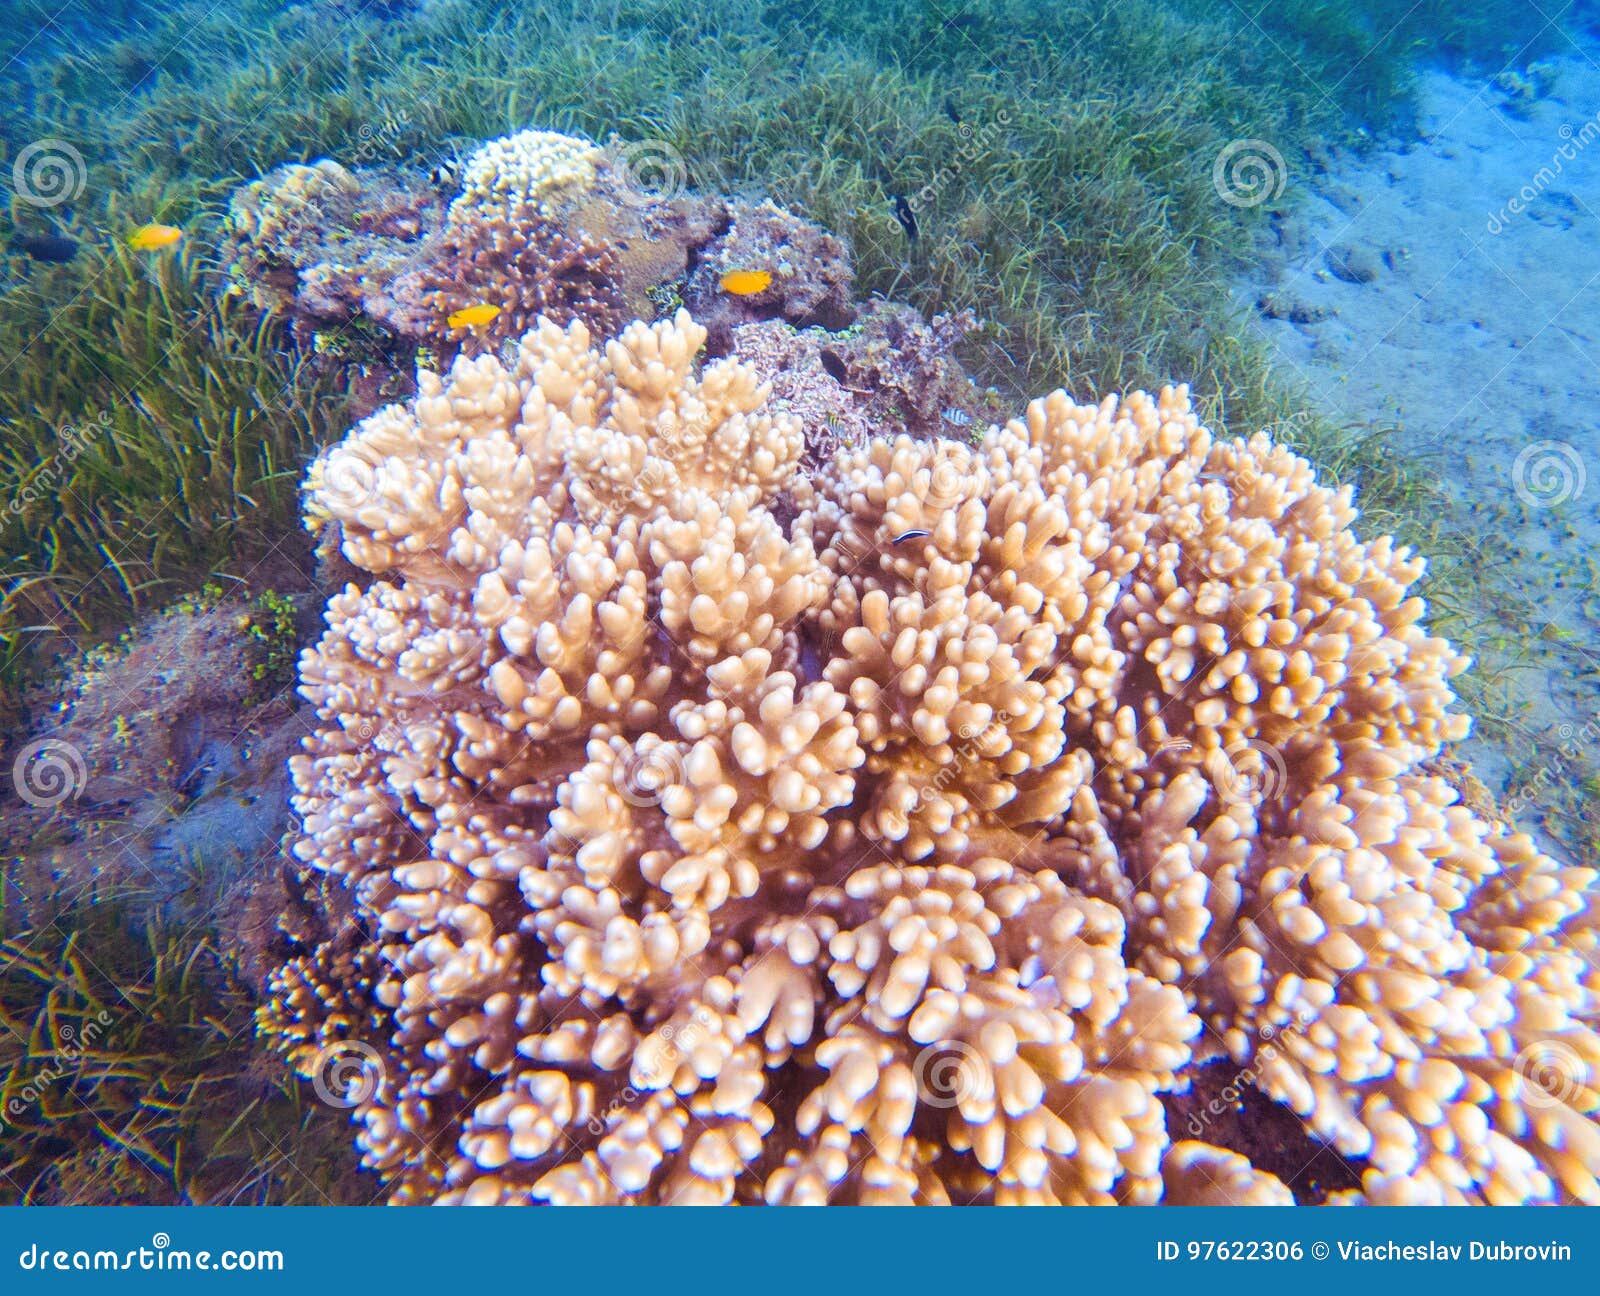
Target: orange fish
{"x": 746, "y": 283}
{"x": 152, "y": 238}
{"x": 472, "y": 317}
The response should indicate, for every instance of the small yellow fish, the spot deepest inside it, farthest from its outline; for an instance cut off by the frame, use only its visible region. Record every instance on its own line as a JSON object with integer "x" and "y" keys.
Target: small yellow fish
{"x": 152, "y": 238}
{"x": 472, "y": 317}
{"x": 746, "y": 283}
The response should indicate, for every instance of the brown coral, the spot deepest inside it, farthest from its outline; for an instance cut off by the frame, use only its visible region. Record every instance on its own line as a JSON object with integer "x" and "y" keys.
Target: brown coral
{"x": 519, "y": 259}
{"x": 368, "y": 264}
{"x": 886, "y": 833}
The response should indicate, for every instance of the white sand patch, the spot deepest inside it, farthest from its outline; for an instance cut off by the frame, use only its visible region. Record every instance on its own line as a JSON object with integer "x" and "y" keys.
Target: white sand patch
{"x": 1451, "y": 283}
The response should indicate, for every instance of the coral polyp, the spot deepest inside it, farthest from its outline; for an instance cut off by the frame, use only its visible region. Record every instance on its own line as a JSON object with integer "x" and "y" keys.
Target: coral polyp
{"x": 903, "y": 829}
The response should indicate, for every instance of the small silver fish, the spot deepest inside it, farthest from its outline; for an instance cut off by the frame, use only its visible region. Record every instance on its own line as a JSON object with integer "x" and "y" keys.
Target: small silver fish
{"x": 910, "y": 535}
{"x": 956, "y": 416}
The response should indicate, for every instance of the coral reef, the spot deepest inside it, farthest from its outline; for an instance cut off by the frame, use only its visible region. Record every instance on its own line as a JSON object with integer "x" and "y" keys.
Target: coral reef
{"x": 900, "y": 829}
{"x": 504, "y": 244}
{"x": 1105, "y": 284}
{"x": 515, "y": 257}
{"x": 532, "y": 166}
{"x": 890, "y": 372}
{"x": 812, "y": 279}
{"x": 324, "y": 244}
{"x": 1198, "y": 1174}
{"x": 369, "y": 264}
{"x": 1106, "y": 278}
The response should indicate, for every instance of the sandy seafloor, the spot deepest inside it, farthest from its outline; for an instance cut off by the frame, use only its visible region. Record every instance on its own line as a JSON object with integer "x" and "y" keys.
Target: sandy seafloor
{"x": 1449, "y": 282}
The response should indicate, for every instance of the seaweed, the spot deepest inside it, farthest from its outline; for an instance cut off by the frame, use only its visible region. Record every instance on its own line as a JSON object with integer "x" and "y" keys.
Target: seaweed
{"x": 131, "y": 1074}
{"x": 152, "y": 433}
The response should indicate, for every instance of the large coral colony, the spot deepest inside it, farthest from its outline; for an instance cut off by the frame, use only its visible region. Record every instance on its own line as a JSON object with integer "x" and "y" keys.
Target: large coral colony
{"x": 704, "y": 811}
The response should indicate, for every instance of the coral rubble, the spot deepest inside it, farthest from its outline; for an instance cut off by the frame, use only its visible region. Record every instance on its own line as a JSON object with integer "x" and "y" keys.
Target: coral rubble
{"x": 889, "y": 372}
{"x": 154, "y": 776}
{"x": 717, "y": 827}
